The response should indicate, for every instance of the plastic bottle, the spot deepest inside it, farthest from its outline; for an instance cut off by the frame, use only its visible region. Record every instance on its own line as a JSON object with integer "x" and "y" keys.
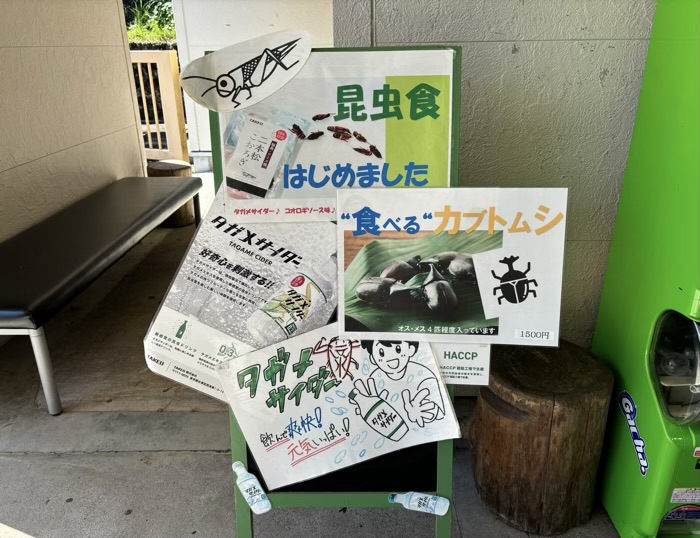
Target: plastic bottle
{"x": 421, "y": 502}
{"x": 251, "y": 489}
{"x": 291, "y": 309}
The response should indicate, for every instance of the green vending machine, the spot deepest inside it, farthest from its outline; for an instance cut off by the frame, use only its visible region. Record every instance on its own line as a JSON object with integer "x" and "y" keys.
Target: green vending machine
{"x": 648, "y": 328}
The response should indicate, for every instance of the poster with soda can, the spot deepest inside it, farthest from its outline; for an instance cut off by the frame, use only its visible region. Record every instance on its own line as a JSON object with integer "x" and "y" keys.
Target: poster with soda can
{"x": 315, "y": 403}
{"x": 244, "y": 284}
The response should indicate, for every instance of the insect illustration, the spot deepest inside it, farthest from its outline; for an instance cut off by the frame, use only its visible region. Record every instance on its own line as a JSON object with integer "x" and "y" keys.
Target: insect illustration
{"x": 359, "y": 136}
{"x": 515, "y": 286}
{"x": 250, "y": 74}
{"x": 339, "y": 129}
{"x": 375, "y": 151}
{"x": 339, "y": 358}
{"x": 297, "y": 131}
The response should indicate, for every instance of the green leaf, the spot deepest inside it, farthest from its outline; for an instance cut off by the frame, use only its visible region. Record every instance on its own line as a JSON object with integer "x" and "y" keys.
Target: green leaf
{"x": 433, "y": 276}
{"x": 410, "y": 308}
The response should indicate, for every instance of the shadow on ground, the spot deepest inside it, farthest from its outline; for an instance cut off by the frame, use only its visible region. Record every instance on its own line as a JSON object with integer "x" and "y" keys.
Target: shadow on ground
{"x": 136, "y": 455}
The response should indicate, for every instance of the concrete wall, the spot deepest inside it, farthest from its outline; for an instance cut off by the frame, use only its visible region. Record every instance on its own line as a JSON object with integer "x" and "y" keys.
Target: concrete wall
{"x": 206, "y": 25}
{"x": 549, "y": 94}
{"x": 67, "y": 115}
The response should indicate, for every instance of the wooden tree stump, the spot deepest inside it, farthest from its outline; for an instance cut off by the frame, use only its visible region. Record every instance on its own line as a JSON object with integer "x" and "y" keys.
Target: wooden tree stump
{"x": 174, "y": 168}
{"x": 537, "y": 434}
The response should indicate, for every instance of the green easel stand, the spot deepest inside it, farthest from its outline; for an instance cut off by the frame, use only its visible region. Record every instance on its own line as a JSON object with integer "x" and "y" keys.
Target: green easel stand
{"x": 306, "y": 495}
{"x": 426, "y": 468}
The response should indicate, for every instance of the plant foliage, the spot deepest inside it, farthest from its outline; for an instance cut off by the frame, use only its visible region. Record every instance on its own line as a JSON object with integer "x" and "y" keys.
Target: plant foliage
{"x": 149, "y": 21}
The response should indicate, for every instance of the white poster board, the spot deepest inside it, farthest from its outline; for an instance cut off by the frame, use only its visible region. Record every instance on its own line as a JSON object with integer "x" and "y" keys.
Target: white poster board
{"x": 358, "y": 118}
{"x": 315, "y": 404}
{"x": 245, "y": 283}
{"x": 463, "y": 364}
{"x": 451, "y": 265}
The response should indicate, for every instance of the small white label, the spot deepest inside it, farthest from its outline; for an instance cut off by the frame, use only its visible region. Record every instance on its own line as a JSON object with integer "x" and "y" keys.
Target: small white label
{"x": 258, "y": 152}
{"x": 463, "y": 364}
{"x": 696, "y": 452}
{"x": 685, "y": 495}
{"x": 530, "y": 334}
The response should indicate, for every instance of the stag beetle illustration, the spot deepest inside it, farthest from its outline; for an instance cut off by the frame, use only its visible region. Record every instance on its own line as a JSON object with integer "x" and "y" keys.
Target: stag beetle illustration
{"x": 515, "y": 285}
{"x": 250, "y": 74}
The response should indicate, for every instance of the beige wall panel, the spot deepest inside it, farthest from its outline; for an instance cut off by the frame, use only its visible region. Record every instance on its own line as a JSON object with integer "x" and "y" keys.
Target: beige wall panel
{"x": 549, "y": 96}
{"x": 411, "y": 21}
{"x": 59, "y": 97}
{"x": 352, "y": 23}
{"x": 34, "y": 191}
{"x": 552, "y": 114}
{"x": 584, "y": 271}
{"x": 60, "y": 23}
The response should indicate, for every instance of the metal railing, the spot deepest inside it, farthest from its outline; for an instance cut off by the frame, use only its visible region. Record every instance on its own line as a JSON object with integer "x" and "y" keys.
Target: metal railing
{"x": 159, "y": 96}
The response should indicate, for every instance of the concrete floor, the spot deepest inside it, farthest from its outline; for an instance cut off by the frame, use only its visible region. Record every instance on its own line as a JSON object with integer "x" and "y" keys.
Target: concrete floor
{"x": 134, "y": 455}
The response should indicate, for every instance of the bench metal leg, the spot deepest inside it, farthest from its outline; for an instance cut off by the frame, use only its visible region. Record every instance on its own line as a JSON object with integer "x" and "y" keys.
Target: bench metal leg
{"x": 43, "y": 362}
{"x": 197, "y": 210}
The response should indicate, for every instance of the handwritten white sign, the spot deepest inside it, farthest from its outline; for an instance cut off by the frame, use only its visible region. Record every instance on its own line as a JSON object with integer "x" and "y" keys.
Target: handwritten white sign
{"x": 314, "y": 404}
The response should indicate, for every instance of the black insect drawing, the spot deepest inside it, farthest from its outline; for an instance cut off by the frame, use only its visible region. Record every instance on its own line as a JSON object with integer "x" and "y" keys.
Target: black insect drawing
{"x": 250, "y": 74}
{"x": 515, "y": 286}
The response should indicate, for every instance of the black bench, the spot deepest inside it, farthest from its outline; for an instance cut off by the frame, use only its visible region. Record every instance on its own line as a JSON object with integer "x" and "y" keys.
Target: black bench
{"x": 44, "y": 267}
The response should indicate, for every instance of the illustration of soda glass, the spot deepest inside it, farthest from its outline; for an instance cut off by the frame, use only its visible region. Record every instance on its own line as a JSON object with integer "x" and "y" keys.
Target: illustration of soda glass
{"x": 251, "y": 489}
{"x": 293, "y": 308}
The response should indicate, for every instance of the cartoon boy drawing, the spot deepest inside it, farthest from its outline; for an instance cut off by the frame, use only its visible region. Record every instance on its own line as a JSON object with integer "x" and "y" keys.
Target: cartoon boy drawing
{"x": 397, "y": 374}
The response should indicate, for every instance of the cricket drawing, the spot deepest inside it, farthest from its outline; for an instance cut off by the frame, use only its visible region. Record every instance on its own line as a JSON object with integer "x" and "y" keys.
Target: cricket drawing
{"x": 237, "y": 84}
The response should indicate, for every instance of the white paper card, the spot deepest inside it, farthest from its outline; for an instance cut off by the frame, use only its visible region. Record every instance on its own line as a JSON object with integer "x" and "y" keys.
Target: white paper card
{"x": 451, "y": 265}
{"x": 314, "y": 404}
{"x": 243, "y": 284}
{"x": 463, "y": 364}
{"x": 243, "y": 74}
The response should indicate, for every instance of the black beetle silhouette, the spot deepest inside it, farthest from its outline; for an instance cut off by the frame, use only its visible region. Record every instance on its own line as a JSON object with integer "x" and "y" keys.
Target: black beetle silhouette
{"x": 515, "y": 285}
